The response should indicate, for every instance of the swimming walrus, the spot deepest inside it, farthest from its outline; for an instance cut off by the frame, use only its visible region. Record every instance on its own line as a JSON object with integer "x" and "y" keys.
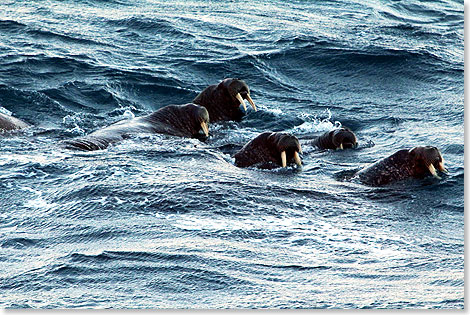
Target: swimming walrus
{"x": 418, "y": 162}
{"x": 270, "y": 150}
{"x": 223, "y": 100}
{"x": 341, "y": 138}
{"x": 177, "y": 120}
{"x": 8, "y": 123}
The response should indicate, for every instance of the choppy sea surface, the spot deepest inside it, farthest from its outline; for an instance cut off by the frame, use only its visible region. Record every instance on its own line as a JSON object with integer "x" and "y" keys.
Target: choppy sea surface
{"x": 164, "y": 222}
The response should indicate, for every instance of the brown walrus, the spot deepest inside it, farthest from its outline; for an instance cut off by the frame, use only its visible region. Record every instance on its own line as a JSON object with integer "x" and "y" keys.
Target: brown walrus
{"x": 270, "y": 150}
{"x": 341, "y": 138}
{"x": 418, "y": 162}
{"x": 223, "y": 100}
{"x": 8, "y": 123}
{"x": 177, "y": 120}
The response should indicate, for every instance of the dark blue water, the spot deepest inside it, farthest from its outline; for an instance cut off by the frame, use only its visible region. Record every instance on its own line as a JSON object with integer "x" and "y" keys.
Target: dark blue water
{"x": 164, "y": 222}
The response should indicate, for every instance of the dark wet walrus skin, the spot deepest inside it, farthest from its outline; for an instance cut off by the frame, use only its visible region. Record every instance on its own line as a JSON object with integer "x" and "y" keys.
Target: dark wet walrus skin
{"x": 342, "y": 138}
{"x": 8, "y": 123}
{"x": 220, "y": 99}
{"x": 176, "y": 120}
{"x": 418, "y": 162}
{"x": 264, "y": 151}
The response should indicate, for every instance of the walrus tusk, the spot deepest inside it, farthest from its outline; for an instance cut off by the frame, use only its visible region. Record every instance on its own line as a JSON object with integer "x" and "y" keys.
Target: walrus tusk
{"x": 205, "y": 128}
{"x": 297, "y": 159}
{"x": 433, "y": 171}
{"x": 251, "y": 102}
{"x": 341, "y": 146}
{"x": 442, "y": 168}
{"x": 240, "y": 99}
{"x": 283, "y": 159}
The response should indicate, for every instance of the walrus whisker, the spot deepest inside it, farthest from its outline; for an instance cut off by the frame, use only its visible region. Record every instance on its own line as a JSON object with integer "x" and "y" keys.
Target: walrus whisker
{"x": 240, "y": 99}
{"x": 205, "y": 128}
{"x": 432, "y": 169}
{"x": 297, "y": 159}
{"x": 251, "y": 102}
{"x": 283, "y": 159}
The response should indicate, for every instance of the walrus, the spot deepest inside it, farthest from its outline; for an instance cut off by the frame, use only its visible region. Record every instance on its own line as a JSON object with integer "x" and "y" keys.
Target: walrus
{"x": 8, "y": 123}
{"x": 223, "y": 100}
{"x": 270, "y": 150}
{"x": 341, "y": 138}
{"x": 177, "y": 120}
{"x": 418, "y": 162}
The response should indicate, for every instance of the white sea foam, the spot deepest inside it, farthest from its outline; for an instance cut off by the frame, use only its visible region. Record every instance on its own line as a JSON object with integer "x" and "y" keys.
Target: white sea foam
{"x": 38, "y": 202}
{"x": 5, "y": 111}
{"x": 275, "y": 111}
{"x": 314, "y": 123}
{"x": 42, "y": 159}
{"x": 72, "y": 121}
{"x": 128, "y": 114}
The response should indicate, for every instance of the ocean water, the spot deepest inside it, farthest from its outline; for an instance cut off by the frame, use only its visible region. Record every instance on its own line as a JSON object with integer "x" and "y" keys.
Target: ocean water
{"x": 164, "y": 222}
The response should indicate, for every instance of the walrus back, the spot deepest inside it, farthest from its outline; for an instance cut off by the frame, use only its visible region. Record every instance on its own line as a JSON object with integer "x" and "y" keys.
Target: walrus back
{"x": 174, "y": 120}
{"x": 102, "y": 138}
{"x": 11, "y": 123}
{"x": 171, "y": 120}
{"x": 86, "y": 144}
{"x": 324, "y": 141}
{"x": 393, "y": 168}
{"x": 253, "y": 152}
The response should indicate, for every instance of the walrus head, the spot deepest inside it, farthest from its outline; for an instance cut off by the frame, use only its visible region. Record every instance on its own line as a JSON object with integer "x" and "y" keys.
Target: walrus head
{"x": 270, "y": 148}
{"x": 418, "y": 162}
{"x": 343, "y": 138}
{"x": 426, "y": 160}
{"x": 180, "y": 120}
{"x": 201, "y": 121}
{"x": 288, "y": 146}
{"x": 239, "y": 91}
{"x": 193, "y": 118}
{"x": 223, "y": 100}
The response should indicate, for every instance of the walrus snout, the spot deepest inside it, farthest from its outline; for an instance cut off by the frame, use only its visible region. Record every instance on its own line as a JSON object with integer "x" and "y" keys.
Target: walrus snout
{"x": 269, "y": 150}
{"x": 430, "y": 158}
{"x": 341, "y": 138}
{"x": 289, "y": 147}
{"x": 223, "y": 99}
{"x": 203, "y": 118}
{"x": 344, "y": 138}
